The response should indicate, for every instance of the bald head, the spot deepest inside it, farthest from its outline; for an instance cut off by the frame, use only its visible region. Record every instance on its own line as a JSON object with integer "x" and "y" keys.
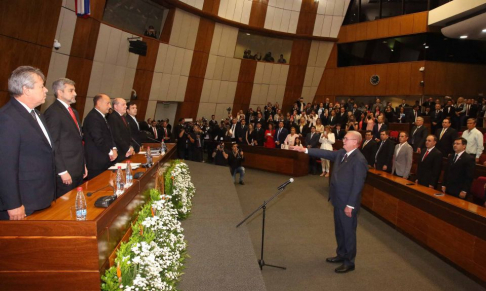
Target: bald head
{"x": 102, "y": 102}
{"x": 352, "y": 140}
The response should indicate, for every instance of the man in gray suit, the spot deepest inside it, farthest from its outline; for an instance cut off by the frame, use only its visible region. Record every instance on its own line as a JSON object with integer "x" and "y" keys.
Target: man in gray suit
{"x": 402, "y": 157}
{"x": 347, "y": 181}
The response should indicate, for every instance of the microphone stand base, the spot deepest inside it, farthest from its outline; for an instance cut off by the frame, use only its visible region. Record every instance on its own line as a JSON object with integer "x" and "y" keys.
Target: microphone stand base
{"x": 262, "y": 263}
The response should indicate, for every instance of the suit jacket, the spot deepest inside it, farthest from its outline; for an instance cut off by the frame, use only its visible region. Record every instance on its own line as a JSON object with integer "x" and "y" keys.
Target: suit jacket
{"x": 369, "y": 151}
{"x": 314, "y": 141}
{"x": 345, "y": 190}
{"x": 417, "y": 137}
{"x": 412, "y": 117}
{"x": 340, "y": 135}
{"x": 304, "y": 131}
{"x": 402, "y": 162}
{"x": 67, "y": 140}
{"x": 159, "y": 134}
{"x": 458, "y": 176}
{"x": 259, "y": 136}
{"x": 27, "y": 174}
{"x": 135, "y": 132}
{"x": 281, "y": 137}
{"x": 384, "y": 155}
{"x": 121, "y": 134}
{"x": 98, "y": 141}
{"x": 428, "y": 169}
{"x": 241, "y": 133}
{"x": 342, "y": 119}
{"x": 162, "y": 130}
{"x": 437, "y": 118}
{"x": 444, "y": 144}
{"x": 376, "y": 133}
{"x": 449, "y": 111}
{"x": 332, "y": 120}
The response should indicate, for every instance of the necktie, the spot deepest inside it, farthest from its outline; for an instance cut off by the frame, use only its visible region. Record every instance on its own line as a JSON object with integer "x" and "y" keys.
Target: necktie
{"x": 426, "y": 154}
{"x": 71, "y": 112}
{"x": 155, "y": 132}
{"x": 379, "y": 150}
{"x": 278, "y": 134}
{"x": 124, "y": 121}
{"x": 455, "y": 158}
{"x": 365, "y": 143}
{"x": 345, "y": 158}
{"x": 442, "y": 133}
{"x": 33, "y": 114}
{"x": 165, "y": 130}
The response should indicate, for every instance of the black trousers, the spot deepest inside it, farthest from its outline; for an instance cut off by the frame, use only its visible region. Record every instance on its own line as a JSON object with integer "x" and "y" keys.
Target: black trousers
{"x": 95, "y": 172}
{"x": 62, "y": 188}
{"x": 345, "y": 230}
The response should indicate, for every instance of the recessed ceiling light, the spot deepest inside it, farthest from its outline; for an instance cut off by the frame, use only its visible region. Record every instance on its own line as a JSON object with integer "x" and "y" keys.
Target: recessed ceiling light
{"x": 463, "y": 36}
{"x": 425, "y": 43}
{"x": 484, "y": 30}
{"x": 426, "y": 46}
{"x": 391, "y": 49}
{"x": 247, "y": 34}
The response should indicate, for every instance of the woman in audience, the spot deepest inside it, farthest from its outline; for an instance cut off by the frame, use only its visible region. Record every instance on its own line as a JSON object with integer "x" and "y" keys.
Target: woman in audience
{"x": 290, "y": 139}
{"x": 352, "y": 124}
{"x": 319, "y": 126}
{"x": 325, "y": 117}
{"x": 402, "y": 117}
{"x": 370, "y": 121}
{"x": 298, "y": 143}
{"x": 250, "y": 134}
{"x": 312, "y": 118}
{"x": 269, "y": 133}
{"x": 327, "y": 139}
{"x": 362, "y": 122}
{"x": 303, "y": 128}
{"x": 389, "y": 115}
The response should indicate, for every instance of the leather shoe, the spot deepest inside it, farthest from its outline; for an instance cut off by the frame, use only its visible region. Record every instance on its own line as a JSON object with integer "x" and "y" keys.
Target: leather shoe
{"x": 344, "y": 269}
{"x": 242, "y": 183}
{"x": 336, "y": 259}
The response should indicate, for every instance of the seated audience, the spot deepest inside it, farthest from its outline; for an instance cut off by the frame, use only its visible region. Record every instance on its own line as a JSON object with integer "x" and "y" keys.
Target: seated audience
{"x": 459, "y": 174}
{"x": 430, "y": 164}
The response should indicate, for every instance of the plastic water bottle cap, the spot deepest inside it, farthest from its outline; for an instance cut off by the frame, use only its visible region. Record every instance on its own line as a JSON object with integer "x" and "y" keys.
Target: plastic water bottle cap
{"x": 128, "y": 162}
{"x": 119, "y": 167}
{"x": 80, "y": 189}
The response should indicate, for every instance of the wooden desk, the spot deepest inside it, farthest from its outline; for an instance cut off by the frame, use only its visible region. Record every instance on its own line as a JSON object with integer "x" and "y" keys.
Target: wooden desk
{"x": 50, "y": 250}
{"x": 450, "y": 227}
{"x": 280, "y": 161}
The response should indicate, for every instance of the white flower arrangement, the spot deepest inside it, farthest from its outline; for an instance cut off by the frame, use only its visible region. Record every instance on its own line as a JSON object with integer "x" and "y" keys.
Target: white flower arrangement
{"x": 182, "y": 189}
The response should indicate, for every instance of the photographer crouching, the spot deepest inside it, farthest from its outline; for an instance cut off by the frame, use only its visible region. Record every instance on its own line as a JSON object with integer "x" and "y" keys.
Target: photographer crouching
{"x": 235, "y": 158}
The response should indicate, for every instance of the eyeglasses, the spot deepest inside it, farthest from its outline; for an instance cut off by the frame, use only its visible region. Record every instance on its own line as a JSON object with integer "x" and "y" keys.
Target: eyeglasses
{"x": 345, "y": 138}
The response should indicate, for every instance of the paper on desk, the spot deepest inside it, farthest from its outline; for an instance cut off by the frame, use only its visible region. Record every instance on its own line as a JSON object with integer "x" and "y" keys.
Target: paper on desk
{"x": 124, "y": 166}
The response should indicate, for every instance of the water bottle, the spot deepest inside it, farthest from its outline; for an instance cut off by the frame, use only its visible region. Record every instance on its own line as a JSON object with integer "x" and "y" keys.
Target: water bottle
{"x": 80, "y": 205}
{"x": 162, "y": 148}
{"x": 120, "y": 183}
{"x": 128, "y": 175}
{"x": 149, "y": 156}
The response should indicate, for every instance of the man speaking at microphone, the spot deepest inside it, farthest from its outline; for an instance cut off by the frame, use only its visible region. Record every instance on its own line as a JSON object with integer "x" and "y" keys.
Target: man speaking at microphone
{"x": 347, "y": 180}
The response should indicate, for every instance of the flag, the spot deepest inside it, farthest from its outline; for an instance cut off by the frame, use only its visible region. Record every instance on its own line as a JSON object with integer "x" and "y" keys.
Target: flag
{"x": 83, "y": 8}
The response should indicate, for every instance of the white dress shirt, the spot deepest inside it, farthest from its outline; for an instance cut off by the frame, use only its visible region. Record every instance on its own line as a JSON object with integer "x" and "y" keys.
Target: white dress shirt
{"x": 474, "y": 142}
{"x": 43, "y": 128}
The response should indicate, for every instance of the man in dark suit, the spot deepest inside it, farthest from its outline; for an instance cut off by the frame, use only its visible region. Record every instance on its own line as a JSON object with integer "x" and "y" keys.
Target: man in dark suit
{"x": 471, "y": 109}
{"x": 384, "y": 153}
{"x": 241, "y": 132}
{"x": 339, "y": 133}
{"x": 418, "y": 134}
{"x": 259, "y": 135}
{"x": 436, "y": 118}
{"x": 378, "y": 128}
{"x": 134, "y": 126}
{"x": 155, "y": 131}
{"x": 459, "y": 173}
{"x": 446, "y": 136}
{"x": 179, "y": 135}
{"x": 414, "y": 114}
{"x": 27, "y": 172}
{"x": 120, "y": 130}
{"x": 347, "y": 180}
{"x": 311, "y": 142}
{"x": 213, "y": 121}
{"x": 165, "y": 131}
{"x": 280, "y": 134}
{"x": 429, "y": 103}
{"x": 342, "y": 116}
{"x": 368, "y": 149}
{"x": 63, "y": 123}
{"x": 429, "y": 164}
{"x": 449, "y": 110}
{"x": 99, "y": 146}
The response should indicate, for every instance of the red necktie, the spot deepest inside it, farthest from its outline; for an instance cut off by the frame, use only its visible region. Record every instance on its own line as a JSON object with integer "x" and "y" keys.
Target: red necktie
{"x": 155, "y": 132}
{"x": 426, "y": 154}
{"x": 124, "y": 121}
{"x": 71, "y": 112}
{"x": 165, "y": 129}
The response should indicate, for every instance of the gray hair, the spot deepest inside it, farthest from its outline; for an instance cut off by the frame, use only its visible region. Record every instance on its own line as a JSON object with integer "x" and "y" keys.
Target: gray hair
{"x": 60, "y": 83}
{"x": 23, "y": 76}
{"x": 359, "y": 137}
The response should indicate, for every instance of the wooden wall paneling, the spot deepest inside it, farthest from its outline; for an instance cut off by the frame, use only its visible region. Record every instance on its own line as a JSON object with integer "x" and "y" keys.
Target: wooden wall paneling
{"x": 367, "y": 196}
{"x": 258, "y": 13}
{"x": 211, "y": 6}
{"x": 406, "y": 25}
{"x": 385, "y": 205}
{"x": 85, "y": 38}
{"x": 415, "y": 77}
{"x": 404, "y": 79}
{"x": 97, "y": 9}
{"x": 4, "y": 98}
{"x": 361, "y": 30}
{"x": 380, "y": 89}
{"x": 148, "y": 62}
{"x": 204, "y": 36}
{"x": 244, "y": 87}
{"x": 392, "y": 77}
{"x": 307, "y": 17}
{"x": 296, "y": 75}
{"x": 372, "y": 29}
{"x": 413, "y": 221}
{"x": 79, "y": 70}
{"x": 167, "y": 29}
{"x": 382, "y": 30}
{"x": 394, "y": 27}
{"x": 332, "y": 60}
{"x": 339, "y": 82}
{"x": 360, "y": 80}
{"x": 348, "y": 76}
{"x": 420, "y": 22}
{"x": 480, "y": 254}
{"x": 25, "y": 280}
{"x": 343, "y": 33}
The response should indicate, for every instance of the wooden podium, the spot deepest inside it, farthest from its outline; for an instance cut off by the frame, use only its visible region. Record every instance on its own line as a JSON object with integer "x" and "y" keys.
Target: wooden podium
{"x": 50, "y": 250}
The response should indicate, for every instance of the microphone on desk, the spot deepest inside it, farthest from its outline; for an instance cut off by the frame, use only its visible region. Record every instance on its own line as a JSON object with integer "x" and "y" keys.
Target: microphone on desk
{"x": 291, "y": 180}
{"x": 158, "y": 141}
{"x": 91, "y": 193}
{"x": 136, "y": 142}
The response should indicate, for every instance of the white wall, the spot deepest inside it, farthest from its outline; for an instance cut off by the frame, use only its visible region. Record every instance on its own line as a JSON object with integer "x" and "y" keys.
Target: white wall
{"x": 330, "y": 16}
{"x": 166, "y": 110}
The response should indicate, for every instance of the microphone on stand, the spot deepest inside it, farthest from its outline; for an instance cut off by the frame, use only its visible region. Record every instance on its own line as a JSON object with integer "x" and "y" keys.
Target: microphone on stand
{"x": 91, "y": 193}
{"x": 291, "y": 180}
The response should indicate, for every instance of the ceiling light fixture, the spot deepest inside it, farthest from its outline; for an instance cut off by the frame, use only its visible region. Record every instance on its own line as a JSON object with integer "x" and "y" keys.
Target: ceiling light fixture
{"x": 426, "y": 46}
{"x": 463, "y": 36}
{"x": 484, "y": 30}
{"x": 247, "y": 34}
